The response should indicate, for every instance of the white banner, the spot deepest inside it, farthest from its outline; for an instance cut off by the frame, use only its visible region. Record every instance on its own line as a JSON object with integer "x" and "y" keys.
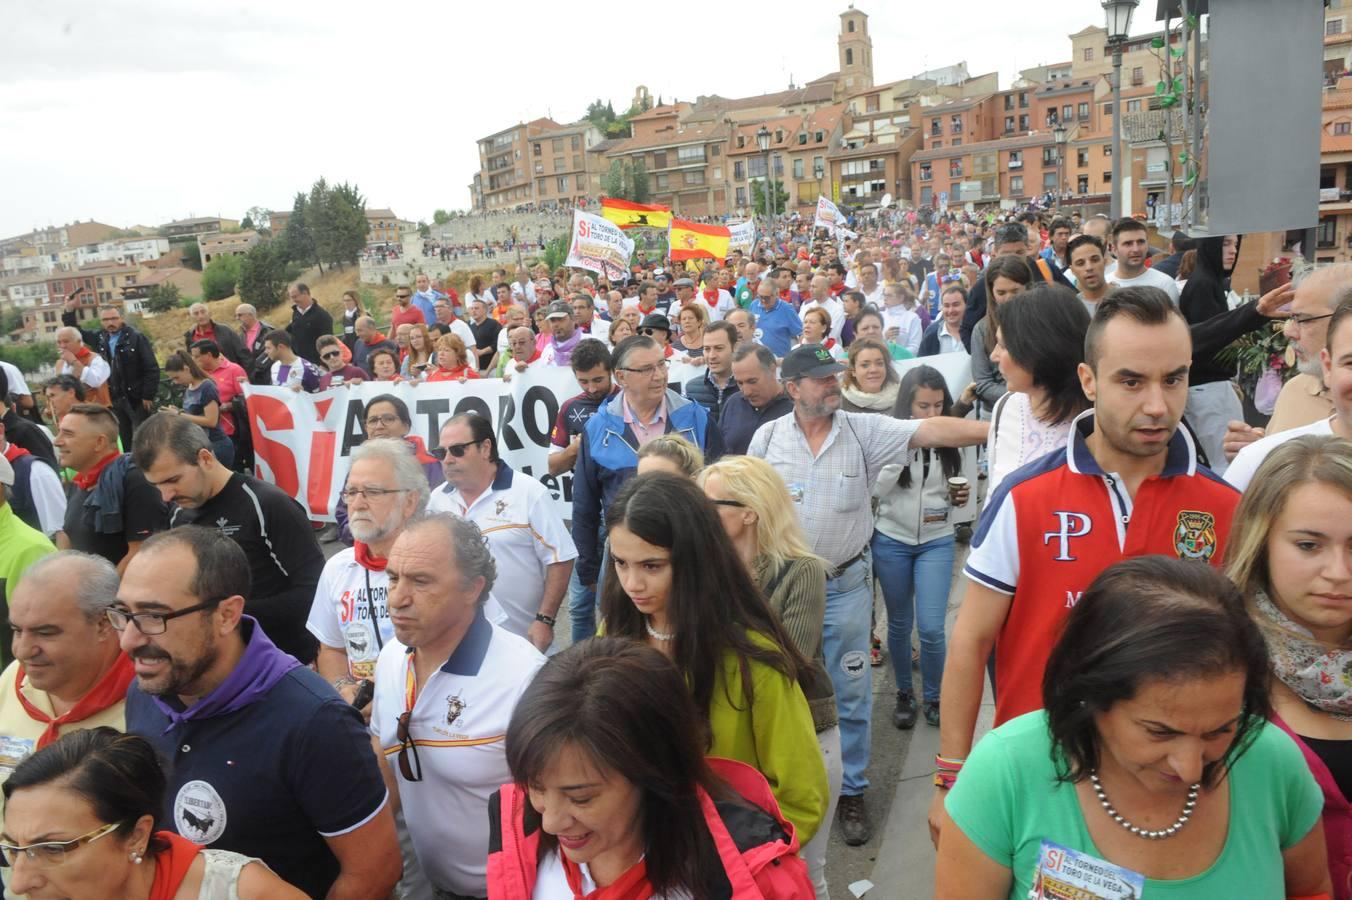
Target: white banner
{"x": 599, "y": 245}
{"x": 743, "y": 237}
{"x": 828, "y": 215}
{"x": 303, "y": 442}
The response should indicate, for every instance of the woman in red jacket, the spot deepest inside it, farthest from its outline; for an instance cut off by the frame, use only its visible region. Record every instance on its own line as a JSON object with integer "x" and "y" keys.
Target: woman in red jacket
{"x": 613, "y": 798}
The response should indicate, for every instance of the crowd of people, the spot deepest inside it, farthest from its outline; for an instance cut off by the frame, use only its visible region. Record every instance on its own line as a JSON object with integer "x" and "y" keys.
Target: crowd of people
{"x": 1167, "y": 634}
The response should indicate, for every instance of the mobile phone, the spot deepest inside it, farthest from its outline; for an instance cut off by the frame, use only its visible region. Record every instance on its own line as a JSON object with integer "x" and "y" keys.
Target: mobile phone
{"x": 365, "y": 691}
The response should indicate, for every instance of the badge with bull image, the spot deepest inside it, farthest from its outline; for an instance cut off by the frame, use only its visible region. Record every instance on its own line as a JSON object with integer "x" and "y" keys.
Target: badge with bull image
{"x": 454, "y": 707}
{"x": 1195, "y": 535}
{"x": 199, "y": 812}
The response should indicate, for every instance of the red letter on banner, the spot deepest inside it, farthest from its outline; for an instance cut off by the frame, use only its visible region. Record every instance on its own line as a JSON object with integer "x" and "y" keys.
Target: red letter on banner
{"x": 274, "y": 415}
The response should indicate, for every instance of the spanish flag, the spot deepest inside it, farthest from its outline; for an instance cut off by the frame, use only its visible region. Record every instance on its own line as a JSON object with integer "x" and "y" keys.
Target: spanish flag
{"x": 635, "y": 215}
{"x": 691, "y": 240}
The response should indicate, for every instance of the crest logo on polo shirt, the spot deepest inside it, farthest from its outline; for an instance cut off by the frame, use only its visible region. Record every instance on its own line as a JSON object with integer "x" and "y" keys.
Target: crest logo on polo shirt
{"x": 499, "y": 506}
{"x": 1069, "y": 525}
{"x": 454, "y": 707}
{"x": 199, "y": 812}
{"x": 1195, "y": 536}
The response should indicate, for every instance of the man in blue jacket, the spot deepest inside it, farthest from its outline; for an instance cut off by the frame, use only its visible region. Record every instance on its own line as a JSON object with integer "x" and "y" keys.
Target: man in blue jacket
{"x": 608, "y": 456}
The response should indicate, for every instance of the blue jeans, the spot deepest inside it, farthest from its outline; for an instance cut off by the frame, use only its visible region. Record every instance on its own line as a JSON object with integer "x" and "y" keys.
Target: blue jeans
{"x": 581, "y": 609}
{"x": 845, "y": 643}
{"x": 915, "y": 580}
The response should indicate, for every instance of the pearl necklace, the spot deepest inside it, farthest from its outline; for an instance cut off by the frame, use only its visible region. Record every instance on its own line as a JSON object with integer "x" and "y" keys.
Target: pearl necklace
{"x": 654, "y": 633}
{"x": 1145, "y": 832}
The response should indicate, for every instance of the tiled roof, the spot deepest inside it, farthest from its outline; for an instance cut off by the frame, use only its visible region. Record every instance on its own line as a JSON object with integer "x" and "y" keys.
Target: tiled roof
{"x": 690, "y": 134}
{"x": 1335, "y": 143}
{"x": 1139, "y": 127}
{"x": 788, "y": 126}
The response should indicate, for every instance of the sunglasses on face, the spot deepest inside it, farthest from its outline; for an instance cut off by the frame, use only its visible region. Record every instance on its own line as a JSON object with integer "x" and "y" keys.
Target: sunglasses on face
{"x": 455, "y": 450}
{"x": 331, "y": 354}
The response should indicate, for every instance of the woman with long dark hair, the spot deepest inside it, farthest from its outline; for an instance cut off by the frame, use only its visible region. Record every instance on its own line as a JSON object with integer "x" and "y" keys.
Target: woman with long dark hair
{"x": 81, "y": 820}
{"x": 613, "y": 797}
{"x": 352, "y": 311}
{"x": 201, "y": 403}
{"x": 1151, "y": 760}
{"x": 680, "y": 587}
{"x": 1006, "y": 276}
{"x": 1039, "y": 345}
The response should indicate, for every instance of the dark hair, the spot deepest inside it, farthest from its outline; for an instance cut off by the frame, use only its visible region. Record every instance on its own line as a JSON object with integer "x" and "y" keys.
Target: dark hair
{"x": 1043, "y": 330}
{"x": 117, "y": 774}
{"x": 1012, "y": 267}
{"x": 1080, "y": 240}
{"x": 869, "y": 311}
{"x": 836, "y": 266}
{"x": 714, "y": 604}
{"x": 102, "y": 418}
{"x": 1127, "y": 223}
{"x": 179, "y": 361}
{"x": 1058, "y": 223}
{"x": 764, "y": 355}
{"x": 627, "y": 708}
{"x": 1340, "y": 315}
{"x": 1011, "y": 233}
{"x": 950, "y": 458}
{"x": 381, "y": 351}
{"x": 400, "y": 407}
{"x": 67, "y": 383}
{"x": 222, "y": 567}
{"x": 1144, "y": 305}
{"x": 480, "y": 430}
{"x": 954, "y": 288}
{"x": 206, "y": 345}
{"x": 1150, "y": 618}
{"x": 278, "y": 337}
{"x": 302, "y": 287}
{"x": 856, "y": 296}
{"x": 164, "y": 432}
{"x": 726, "y": 328}
{"x": 588, "y": 354}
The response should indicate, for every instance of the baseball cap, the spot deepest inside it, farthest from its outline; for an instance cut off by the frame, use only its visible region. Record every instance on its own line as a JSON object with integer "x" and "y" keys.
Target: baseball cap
{"x": 6, "y": 472}
{"x": 656, "y": 320}
{"x": 809, "y": 361}
{"x": 559, "y": 308}
{"x": 661, "y": 275}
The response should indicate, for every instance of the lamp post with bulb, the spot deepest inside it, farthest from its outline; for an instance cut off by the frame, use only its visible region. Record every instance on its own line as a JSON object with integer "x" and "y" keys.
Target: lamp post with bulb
{"x": 1118, "y": 15}
{"x": 763, "y": 141}
{"x": 1059, "y": 135}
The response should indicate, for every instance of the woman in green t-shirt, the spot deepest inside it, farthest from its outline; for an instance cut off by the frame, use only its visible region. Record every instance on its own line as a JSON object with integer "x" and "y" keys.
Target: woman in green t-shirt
{"x": 1151, "y": 771}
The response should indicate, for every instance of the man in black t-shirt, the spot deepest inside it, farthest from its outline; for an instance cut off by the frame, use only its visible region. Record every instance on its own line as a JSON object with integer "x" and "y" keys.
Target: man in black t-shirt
{"x": 485, "y": 329}
{"x": 284, "y": 558}
{"x": 111, "y": 509}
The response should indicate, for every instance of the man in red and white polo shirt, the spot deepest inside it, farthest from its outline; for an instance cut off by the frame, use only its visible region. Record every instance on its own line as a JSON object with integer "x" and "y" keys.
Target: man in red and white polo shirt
{"x": 1128, "y": 483}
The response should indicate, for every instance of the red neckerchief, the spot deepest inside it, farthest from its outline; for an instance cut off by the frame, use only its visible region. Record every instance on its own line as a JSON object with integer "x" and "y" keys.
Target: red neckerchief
{"x": 829, "y": 343}
{"x": 378, "y": 338}
{"x": 837, "y": 290}
{"x": 632, "y": 885}
{"x": 111, "y": 690}
{"x": 711, "y": 298}
{"x": 199, "y": 334}
{"x": 420, "y": 449}
{"x": 648, "y": 310}
{"x": 86, "y": 480}
{"x": 785, "y": 295}
{"x": 172, "y": 865}
{"x": 14, "y": 451}
{"x": 669, "y": 351}
{"x": 83, "y": 355}
{"x": 366, "y": 560}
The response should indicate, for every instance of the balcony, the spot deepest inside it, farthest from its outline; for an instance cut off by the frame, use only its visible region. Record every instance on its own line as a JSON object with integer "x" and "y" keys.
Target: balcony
{"x": 1333, "y": 195}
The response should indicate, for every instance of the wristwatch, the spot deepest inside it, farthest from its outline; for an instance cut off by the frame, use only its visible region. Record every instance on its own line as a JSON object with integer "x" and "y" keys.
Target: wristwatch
{"x": 548, "y": 620}
{"x": 343, "y": 681}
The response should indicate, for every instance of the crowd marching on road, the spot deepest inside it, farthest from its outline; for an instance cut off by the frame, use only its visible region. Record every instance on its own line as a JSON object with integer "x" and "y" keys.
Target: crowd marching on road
{"x": 770, "y": 459}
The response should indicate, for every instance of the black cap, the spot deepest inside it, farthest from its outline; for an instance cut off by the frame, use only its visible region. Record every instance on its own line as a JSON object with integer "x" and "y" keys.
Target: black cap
{"x": 809, "y": 361}
{"x": 559, "y": 308}
{"x": 656, "y": 320}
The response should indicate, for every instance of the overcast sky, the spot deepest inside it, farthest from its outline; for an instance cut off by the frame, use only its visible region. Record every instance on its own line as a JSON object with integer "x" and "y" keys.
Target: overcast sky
{"x": 143, "y": 111}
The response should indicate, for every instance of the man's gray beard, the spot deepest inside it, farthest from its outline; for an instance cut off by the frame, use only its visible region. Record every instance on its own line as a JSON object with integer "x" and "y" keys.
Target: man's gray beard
{"x": 1312, "y": 367}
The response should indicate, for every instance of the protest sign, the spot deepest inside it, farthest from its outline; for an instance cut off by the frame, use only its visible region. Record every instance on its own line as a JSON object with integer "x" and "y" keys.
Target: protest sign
{"x": 743, "y": 237}
{"x": 828, "y": 215}
{"x": 599, "y": 245}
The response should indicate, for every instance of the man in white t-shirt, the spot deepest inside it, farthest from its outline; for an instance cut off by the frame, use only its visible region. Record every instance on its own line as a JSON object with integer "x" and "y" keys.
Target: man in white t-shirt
{"x": 533, "y": 549}
{"x": 446, "y": 685}
{"x": 1131, "y": 244}
{"x": 1335, "y": 356}
{"x": 78, "y": 360}
{"x": 386, "y": 487}
{"x": 447, "y": 318}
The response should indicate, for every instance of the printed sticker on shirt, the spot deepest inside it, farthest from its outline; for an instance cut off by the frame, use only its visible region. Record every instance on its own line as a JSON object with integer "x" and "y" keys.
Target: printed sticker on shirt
{"x": 934, "y": 515}
{"x": 1195, "y": 536}
{"x": 796, "y": 491}
{"x": 362, "y": 649}
{"x": 1066, "y": 874}
{"x": 199, "y": 812}
{"x": 13, "y": 750}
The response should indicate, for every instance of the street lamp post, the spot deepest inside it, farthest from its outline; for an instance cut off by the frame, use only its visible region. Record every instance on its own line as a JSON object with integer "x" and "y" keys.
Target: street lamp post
{"x": 1118, "y": 15}
{"x": 763, "y": 141}
{"x": 1059, "y": 135}
{"x": 820, "y": 171}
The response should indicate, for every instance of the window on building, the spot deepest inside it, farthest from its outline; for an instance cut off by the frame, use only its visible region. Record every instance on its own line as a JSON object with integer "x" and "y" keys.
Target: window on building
{"x": 779, "y": 166}
{"x": 718, "y": 173}
{"x": 663, "y": 181}
{"x": 537, "y": 148}
{"x": 738, "y": 170}
{"x": 926, "y": 172}
{"x": 957, "y": 142}
{"x": 660, "y": 159}
{"x": 955, "y": 124}
{"x": 755, "y": 167}
{"x": 715, "y": 150}
{"x": 1023, "y": 122}
{"x": 1009, "y": 123}
{"x": 936, "y": 126}
{"x": 955, "y": 168}
{"x": 818, "y": 136}
{"x": 577, "y": 161}
{"x": 818, "y": 164}
{"x": 1108, "y": 177}
{"x": 693, "y": 176}
{"x": 741, "y": 196}
{"x": 802, "y": 138}
{"x": 1088, "y": 54}
{"x": 1023, "y": 101}
{"x": 687, "y": 155}
{"x": 849, "y": 26}
{"x": 1049, "y": 180}
{"x": 575, "y": 142}
{"x": 849, "y": 56}
{"x": 1051, "y": 116}
{"x": 1107, "y": 110}
{"x": 1342, "y": 127}
{"x": 1016, "y": 159}
{"x": 798, "y": 167}
{"x": 557, "y": 145}
{"x": 741, "y": 141}
{"x": 926, "y": 196}
{"x": 1328, "y": 177}
{"x": 1333, "y": 26}
{"x": 1133, "y": 106}
{"x": 1138, "y": 76}
{"x": 872, "y": 103}
{"x": 937, "y": 145}
{"x": 1082, "y": 111}
{"x": 1082, "y": 157}
{"x": 1107, "y": 149}
{"x": 1326, "y": 235}
{"x": 1016, "y": 184}
{"x": 563, "y": 183}
{"x": 99, "y": 281}
{"x": 1009, "y": 101}
{"x": 1048, "y": 156}
{"x": 1066, "y": 111}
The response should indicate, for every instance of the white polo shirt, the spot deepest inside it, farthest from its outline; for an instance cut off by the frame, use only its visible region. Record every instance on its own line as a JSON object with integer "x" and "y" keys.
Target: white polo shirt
{"x": 459, "y": 728}
{"x": 350, "y": 613}
{"x": 525, "y": 533}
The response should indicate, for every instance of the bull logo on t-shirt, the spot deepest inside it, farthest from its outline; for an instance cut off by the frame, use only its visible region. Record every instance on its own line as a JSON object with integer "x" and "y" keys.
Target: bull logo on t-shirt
{"x": 454, "y": 707}
{"x": 1195, "y": 536}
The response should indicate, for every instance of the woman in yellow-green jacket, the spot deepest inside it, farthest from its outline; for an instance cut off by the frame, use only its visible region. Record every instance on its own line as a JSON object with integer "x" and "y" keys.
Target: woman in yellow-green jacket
{"x": 680, "y": 587}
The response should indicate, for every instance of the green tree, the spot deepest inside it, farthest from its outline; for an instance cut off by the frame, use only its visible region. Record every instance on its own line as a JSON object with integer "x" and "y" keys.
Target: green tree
{"x": 246, "y": 223}
{"x": 163, "y": 297}
{"x": 638, "y": 183}
{"x": 424, "y": 230}
{"x": 440, "y": 217}
{"x": 346, "y": 225}
{"x": 263, "y": 276}
{"x": 10, "y": 321}
{"x": 556, "y": 251}
{"x": 192, "y": 255}
{"x": 781, "y": 197}
{"x": 220, "y": 276}
{"x": 613, "y": 181}
{"x": 298, "y": 241}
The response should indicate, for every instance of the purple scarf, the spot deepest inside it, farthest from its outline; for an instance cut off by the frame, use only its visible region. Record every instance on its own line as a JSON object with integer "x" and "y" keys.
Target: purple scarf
{"x": 258, "y": 671}
{"x": 563, "y": 352}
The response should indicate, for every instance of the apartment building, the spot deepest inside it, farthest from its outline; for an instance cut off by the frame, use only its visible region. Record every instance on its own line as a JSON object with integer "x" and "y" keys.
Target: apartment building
{"x": 210, "y": 246}
{"x": 686, "y": 164}
{"x": 504, "y": 164}
{"x": 563, "y": 168}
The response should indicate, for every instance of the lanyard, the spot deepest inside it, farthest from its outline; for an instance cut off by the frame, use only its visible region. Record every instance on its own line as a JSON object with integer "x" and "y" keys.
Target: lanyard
{"x": 371, "y": 608}
{"x": 410, "y": 681}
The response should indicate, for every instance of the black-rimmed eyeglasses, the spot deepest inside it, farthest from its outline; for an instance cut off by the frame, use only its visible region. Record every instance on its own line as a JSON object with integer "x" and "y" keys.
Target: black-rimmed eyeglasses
{"x": 152, "y": 623}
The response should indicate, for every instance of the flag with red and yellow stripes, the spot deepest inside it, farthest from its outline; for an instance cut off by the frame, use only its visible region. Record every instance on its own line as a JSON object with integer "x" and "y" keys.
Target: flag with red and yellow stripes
{"x": 635, "y": 215}
{"x": 691, "y": 240}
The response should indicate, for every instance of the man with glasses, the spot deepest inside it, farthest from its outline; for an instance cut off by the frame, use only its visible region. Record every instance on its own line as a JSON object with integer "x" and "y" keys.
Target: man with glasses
{"x": 532, "y": 548}
{"x": 404, "y": 312}
{"x": 135, "y": 378}
{"x": 388, "y": 417}
{"x": 446, "y": 686}
{"x": 69, "y": 671}
{"x": 263, "y": 757}
{"x": 608, "y": 455}
{"x": 285, "y": 560}
{"x": 385, "y": 488}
